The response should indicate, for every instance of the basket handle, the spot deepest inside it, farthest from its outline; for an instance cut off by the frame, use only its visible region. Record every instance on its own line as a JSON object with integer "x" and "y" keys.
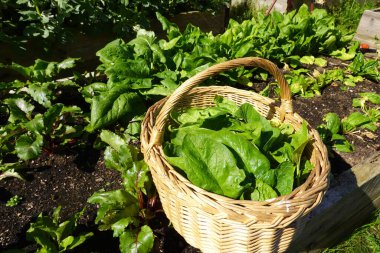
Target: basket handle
{"x": 181, "y": 91}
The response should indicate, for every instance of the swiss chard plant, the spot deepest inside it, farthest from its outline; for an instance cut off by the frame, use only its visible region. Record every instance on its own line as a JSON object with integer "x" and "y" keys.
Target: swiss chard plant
{"x": 34, "y": 120}
{"x": 53, "y": 21}
{"x": 127, "y": 211}
{"x": 54, "y": 236}
{"x": 234, "y": 151}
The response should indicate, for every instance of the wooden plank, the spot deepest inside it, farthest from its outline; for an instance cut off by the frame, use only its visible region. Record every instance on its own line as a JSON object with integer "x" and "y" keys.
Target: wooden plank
{"x": 239, "y": 5}
{"x": 348, "y": 204}
{"x": 280, "y": 5}
{"x": 368, "y": 30}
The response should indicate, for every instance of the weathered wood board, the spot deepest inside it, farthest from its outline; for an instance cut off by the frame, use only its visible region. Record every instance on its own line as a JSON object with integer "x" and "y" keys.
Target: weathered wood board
{"x": 280, "y": 5}
{"x": 348, "y": 203}
{"x": 368, "y": 30}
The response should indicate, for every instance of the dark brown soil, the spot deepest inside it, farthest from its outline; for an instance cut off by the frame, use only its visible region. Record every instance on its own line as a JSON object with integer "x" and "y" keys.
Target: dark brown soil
{"x": 335, "y": 100}
{"x": 69, "y": 178}
{"x": 65, "y": 179}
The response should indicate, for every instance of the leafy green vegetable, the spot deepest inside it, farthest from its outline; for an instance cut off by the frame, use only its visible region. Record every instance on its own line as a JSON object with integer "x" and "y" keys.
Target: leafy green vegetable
{"x": 312, "y": 60}
{"x": 354, "y": 120}
{"x": 43, "y": 71}
{"x": 236, "y": 152}
{"x": 307, "y": 60}
{"x": 285, "y": 178}
{"x": 113, "y": 105}
{"x": 137, "y": 240}
{"x": 34, "y": 119}
{"x": 114, "y": 206}
{"x": 363, "y": 67}
{"x": 364, "y": 97}
{"x": 53, "y": 236}
{"x": 210, "y": 165}
{"x": 28, "y": 148}
{"x": 352, "y": 80}
{"x": 124, "y": 210}
{"x": 332, "y": 133}
{"x": 345, "y": 55}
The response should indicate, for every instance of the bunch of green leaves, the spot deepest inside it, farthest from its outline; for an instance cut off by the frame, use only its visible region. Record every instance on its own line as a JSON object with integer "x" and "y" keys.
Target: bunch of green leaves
{"x": 332, "y": 133}
{"x": 146, "y": 68}
{"x": 365, "y": 97}
{"x": 52, "y": 21}
{"x": 371, "y": 112}
{"x": 278, "y": 37}
{"x": 127, "y": 211}
{"x": 346, "y": 54}
{"x": 334, "y": 129}
{"x": 367, "y": 68}
{"x": 235, "y": 152}
{"x": 54, "y": 236}
{"x": 307, "y": 84}
{"x": 368, "y": 118}
{"x": 32, "y": 120}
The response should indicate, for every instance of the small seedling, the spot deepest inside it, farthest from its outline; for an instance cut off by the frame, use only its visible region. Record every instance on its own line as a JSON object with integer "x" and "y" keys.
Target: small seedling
{"x": 14, "y": 201}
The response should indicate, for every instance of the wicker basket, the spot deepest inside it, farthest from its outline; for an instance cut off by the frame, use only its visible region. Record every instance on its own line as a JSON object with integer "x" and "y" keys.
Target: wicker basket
{"x": 215, "y": 223}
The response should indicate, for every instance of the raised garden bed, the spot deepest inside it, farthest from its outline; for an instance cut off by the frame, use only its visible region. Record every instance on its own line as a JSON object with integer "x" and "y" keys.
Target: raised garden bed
{"x": 69, "y": 177}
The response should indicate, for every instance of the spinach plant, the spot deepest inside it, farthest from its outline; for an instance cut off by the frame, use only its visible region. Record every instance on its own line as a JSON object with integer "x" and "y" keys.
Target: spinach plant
{"x": 334, "y": 129}
{"x": 371, "y": 112}
{"x": 367, "y": 68}
{"x": 234, "y": 151}
{"x": 307, "y": 84}
{"x": 332, "y": 134}
{"x": 147, "y": 68}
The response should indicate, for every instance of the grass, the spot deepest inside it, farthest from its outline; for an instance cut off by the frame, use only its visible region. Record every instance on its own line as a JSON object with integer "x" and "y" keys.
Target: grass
{"x": 246, "y": 10}
{"x": 348, "y": 12}
{"x": 365, "y": 239}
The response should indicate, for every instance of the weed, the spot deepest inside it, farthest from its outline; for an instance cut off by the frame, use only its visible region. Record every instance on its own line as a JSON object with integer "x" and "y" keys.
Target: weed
{"x": 349, "y": 12}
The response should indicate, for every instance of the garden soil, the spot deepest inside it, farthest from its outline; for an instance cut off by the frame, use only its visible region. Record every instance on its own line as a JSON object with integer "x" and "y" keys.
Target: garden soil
{"x": 69, "y": 177}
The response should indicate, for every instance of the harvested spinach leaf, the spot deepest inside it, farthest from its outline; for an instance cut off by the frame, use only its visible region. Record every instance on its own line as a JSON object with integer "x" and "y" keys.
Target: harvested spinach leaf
{"x": 234, "y": 151}
{"x": 210, "y": 165}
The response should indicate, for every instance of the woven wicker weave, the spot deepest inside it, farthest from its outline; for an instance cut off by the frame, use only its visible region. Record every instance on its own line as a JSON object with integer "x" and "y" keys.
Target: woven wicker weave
{"x": 215, "y": 223}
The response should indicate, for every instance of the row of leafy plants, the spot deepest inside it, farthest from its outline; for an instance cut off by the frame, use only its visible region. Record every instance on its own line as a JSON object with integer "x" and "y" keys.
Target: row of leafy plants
{"x": 39, "y": 114}
{"x": 52, "y": 21}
